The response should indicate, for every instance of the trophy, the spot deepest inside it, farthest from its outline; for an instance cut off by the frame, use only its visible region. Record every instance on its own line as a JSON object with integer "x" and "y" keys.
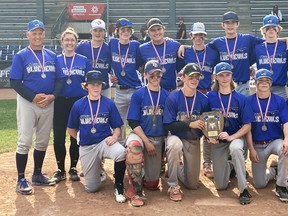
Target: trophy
{"x": 214, "y": 123}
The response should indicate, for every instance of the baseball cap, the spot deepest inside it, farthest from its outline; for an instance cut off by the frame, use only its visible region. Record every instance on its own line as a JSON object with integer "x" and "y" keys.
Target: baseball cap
{"x": 92, "y": 77}
{"x": 222, "y": 67}
{"x": 198, "y": 28}
{"x": 123, "y": 22}
{"x": 230, "y": 16}
{"x": 191, "y": 69}
{"x": 98, "y": 23}
{"x": 154, "y": 22}
{"x": 152, "y": 66}
{"x": 271, "y": 20}
{"x": 263, "y": 73}
{"x": 34, "y": 24}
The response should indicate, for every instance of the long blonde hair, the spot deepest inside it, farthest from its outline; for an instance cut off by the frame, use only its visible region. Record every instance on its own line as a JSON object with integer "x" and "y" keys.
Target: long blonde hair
{"x": 216, "y": 85}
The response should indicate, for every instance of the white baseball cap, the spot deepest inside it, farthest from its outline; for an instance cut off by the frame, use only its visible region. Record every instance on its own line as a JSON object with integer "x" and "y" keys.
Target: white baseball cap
{"x": 198, "y": 28}
{"x": 98, "y": 23}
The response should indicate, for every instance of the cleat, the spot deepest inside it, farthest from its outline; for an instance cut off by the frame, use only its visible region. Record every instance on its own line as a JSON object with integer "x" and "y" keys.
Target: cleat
{"x": 23, "y": 187}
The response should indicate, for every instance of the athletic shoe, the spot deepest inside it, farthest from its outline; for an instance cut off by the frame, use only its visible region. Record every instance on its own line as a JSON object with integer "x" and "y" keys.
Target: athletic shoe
{"x": 119, "y": 193}
{"x": 59, "y": 176}
{"x": 103, "y": 175}
{"x": 207, "y": 170}
{"x": 175, "y": 193}
{"x": 23, "y": 187}
{"x": 282, "y": 193}
{"x": 245, "y": 197}
{"x": 42, "y": 180}
{"x": 73, "y": 174}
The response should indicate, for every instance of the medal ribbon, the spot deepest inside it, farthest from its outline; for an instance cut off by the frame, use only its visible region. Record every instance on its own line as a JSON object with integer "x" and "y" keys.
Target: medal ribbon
{"x": 91, "y": 110}
{"x": 266, "y": 110}
{"x": 123, "y": 63}
{"x": 68, "y": 72}
{"x": 231, "y": 55}
{"x": 225, "y": 114}
{"x": 42, "y": 66}
{"x": 152, "y": 102}
{"x": 273, "y": 56}
{"x": 186, "y": 104}
{"x": 203, "y": 61}
{"x": 94, "y": 61}
{"x": 162, "y": 61}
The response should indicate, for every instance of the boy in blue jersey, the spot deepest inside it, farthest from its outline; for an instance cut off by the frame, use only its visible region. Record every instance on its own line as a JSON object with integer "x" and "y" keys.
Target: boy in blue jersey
{"x": 272, "y": 54}
{"x": 145, "y": 117}
{"x": 124, "y": 65}
{"x": 34, "y": 77}
{"x": 97, "y": 120}
{"x": 206, "y": 58}
{"x": 162, "y": 50}
{"x": 183, "y": 108}
{"x": 238, "y": 116}
{"x": 265, "y": 137}
{"x": 98, "y": 52}
{"x": 74, "y": 67}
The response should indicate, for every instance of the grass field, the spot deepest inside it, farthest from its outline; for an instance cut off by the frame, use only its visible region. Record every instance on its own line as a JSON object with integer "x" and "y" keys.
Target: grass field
{"x": 8, "y": 126}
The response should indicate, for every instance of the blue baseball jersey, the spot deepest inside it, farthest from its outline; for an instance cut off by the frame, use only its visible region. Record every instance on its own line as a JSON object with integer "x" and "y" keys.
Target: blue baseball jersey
{"x": 80, "y": 119}
{"x": 211, "y": 59}
{"x": 276, "y": 116}
{"x": 243, "y": 57}
{"x": 279, "y": 63}
{"x": 26, "y": 68}
{"x": 175, "y": 110}
{"x": 131, "y": 77}
{"x": 147, "y": 53}
{"x": 81, "y": 66}
{"x": 103, "y": 62}
{"x": 239, "y": 113}
{"x": 141, "y": 110}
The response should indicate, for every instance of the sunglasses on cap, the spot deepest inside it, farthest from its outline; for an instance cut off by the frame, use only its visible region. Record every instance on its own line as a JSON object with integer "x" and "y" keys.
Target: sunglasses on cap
{"x": 125, "y": 23}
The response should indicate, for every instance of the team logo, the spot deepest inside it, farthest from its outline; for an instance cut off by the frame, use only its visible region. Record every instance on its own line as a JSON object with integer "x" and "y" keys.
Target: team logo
{"x": 94, "y": 9}
{"x": 95, "y": 75}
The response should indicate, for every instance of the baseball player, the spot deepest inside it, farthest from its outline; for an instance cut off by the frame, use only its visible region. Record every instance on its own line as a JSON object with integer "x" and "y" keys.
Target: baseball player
{"x": 181, "y": 117}
{"x": 265, "y": 137}
{"x": 238, "y": 116}
{"x": 206, "y": 58}
{"x": 34, "y": 78}
{"x": 74, "y": 67}
{"x": 97, "y": 120}
{"x": 124, "y": 66}
{"x": 272, "y": 54}
{"x": 165, "y": 51}
{"x": 98, "y": 52}
{"x": 145, "y": 117}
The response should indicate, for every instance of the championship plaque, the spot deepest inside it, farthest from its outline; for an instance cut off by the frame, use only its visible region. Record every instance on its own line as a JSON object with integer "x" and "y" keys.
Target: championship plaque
{"x": 214, "y": 123}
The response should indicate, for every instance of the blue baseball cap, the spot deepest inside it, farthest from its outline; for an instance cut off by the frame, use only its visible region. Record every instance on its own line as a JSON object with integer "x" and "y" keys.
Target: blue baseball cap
{"x": 230, "y": 16}
{"x": 222, "y": 67}
{"x": 270, "y": 20}
{"x": 263, "y": 73}
{"x": 152, "y": 66}
{"x": 34, "y": 24}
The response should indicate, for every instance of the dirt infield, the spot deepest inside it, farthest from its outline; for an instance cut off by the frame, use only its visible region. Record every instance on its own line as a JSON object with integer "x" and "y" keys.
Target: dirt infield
{"x": 67, "y": 198}
{"x": 7, "y": 93}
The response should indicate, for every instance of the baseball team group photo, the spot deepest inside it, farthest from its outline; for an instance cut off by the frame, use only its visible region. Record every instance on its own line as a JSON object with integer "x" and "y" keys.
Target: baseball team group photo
{"x": 151, "y": 121}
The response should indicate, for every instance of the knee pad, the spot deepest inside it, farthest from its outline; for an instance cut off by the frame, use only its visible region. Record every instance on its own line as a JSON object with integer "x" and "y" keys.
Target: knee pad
{"x": 134, "y": 152}
{"x": 151, "y": 185}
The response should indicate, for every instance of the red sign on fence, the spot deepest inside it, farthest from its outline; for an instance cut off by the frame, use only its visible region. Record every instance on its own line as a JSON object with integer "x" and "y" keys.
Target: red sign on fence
{"x": 85, "y": 11}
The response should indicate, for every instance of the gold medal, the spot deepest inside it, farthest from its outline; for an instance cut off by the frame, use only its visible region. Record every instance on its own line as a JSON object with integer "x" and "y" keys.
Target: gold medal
{"x": 69, "y": 81}
{"x": 226, "y": 124}
{"x": 93, "y": 130}
{"x": 163, "y": 69}
{"x": 43, "y": 75}
{"x": 123, "y": 73}
{"x": 264, "y": 128}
